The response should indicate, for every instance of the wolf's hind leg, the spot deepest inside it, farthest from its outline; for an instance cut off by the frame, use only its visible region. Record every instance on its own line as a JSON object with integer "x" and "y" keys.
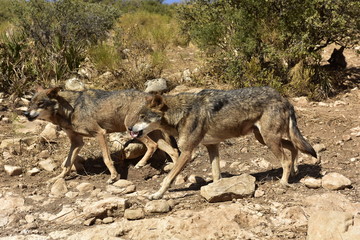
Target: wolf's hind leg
{"x": 101, "y": 137}
{"x": 213, "y": 150}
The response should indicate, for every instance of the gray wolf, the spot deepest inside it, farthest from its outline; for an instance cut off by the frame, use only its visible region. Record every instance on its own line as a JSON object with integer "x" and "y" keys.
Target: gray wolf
{"x": 337, "y": 58}
{"x": 92, "y": 113}
{"x": 211, "y": 116}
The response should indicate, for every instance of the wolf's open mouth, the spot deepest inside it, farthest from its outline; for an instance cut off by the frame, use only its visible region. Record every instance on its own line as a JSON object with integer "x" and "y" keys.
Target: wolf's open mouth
{"x": 136, "y": 134}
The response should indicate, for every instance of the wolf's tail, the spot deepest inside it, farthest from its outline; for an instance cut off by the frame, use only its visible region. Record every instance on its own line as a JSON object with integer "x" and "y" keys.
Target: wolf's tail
{"x": 297, "y": 139}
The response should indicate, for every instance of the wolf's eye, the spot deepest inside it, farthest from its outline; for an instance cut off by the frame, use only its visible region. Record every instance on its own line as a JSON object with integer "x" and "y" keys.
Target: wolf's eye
{"x": 41, "y": 104}
{"x": 142, "y": 116}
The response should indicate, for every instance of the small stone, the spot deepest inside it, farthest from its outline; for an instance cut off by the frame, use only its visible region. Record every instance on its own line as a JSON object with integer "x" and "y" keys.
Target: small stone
{"x": 49, "y": 133}
{"x": 335, "y": 181}
{"x": 134, "y": 214}
{"x": 44, "y": 154}
{"x": 168, "y": 167}
{"x": 108, "y": 220}
{"x": 195, "y": 179}
{"x": 180, "y": 179}
{"x": 48, "y": 165}
{"x": 33, "y": 171}
{"x": 71, "y": 194}
{"x": 59, "y": 188}
{"x": 227, "y": 189}
{"x": 157, "y": 206}
{"x": 90, "y": 221}
{"x": 319, "y": 147}
{"x": 346, "y": 138}
{"x": 259, "y": 193}
{"x": 13, "y": 170}
{"x": 85, "y": 187}
{"x": 311, "y": 182}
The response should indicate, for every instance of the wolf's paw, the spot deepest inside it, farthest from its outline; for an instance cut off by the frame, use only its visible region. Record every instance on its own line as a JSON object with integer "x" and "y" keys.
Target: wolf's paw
{"x": 155, "y": 196}
{"x": 285, "y": 184}
{"x": 112, "y": 180}
{"x": 139, "y": 165}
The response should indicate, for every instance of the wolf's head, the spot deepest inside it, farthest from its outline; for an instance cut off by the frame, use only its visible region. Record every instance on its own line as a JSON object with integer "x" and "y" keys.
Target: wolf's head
{"x": 149, "y": 117}
{"x": 43, "y": 104}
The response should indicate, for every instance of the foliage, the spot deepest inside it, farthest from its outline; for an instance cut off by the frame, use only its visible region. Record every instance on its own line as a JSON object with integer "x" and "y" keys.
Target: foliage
{"x": 14, "y": 63}
{"x": 57, "y": 34}
{"x": 276, "y": 34}
{"x": 142, "y": 38}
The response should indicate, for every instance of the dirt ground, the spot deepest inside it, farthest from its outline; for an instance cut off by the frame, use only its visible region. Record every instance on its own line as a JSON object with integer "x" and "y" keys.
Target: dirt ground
{"x": 330, "y": 122}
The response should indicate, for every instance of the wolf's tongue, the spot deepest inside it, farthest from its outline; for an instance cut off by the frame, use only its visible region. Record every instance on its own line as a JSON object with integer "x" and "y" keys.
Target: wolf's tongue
{"x": 134, "y": 134}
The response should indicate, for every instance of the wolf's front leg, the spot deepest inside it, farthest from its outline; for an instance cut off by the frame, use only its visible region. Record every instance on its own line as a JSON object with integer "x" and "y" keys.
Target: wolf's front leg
{"x": 179, "y": 166}
{"x": 76, "y": 144}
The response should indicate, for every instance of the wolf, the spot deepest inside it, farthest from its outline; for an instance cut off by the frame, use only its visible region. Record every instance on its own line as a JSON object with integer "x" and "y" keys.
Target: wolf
{"x": 211, "y": 116}
{"x": 337, "y": 59}
{"x": 92, "y": 113}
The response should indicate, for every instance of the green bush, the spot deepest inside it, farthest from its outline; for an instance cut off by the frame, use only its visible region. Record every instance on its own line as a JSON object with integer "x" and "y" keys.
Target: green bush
{"x": 55, "y": 37}
{"x": 259, "y": 41}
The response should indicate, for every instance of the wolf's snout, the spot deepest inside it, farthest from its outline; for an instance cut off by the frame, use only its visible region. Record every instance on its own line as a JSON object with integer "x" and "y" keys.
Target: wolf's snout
{"x": 130, "y": 129}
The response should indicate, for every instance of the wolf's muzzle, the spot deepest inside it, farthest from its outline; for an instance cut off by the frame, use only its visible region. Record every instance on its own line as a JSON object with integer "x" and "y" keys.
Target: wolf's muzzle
{"x": 135, "y": 134}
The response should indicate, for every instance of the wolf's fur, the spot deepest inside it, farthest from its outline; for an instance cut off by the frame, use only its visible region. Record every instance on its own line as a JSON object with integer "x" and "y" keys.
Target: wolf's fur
{"x": 92, "y": 113}
{"x": 211, "y": 116}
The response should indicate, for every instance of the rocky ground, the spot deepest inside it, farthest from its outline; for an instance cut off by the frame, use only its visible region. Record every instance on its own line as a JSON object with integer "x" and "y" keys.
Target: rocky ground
{"x": 322, "y": 202}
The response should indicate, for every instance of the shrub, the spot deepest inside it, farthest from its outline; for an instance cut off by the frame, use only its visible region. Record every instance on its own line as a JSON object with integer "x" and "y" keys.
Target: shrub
{"x": 259, "y": 41}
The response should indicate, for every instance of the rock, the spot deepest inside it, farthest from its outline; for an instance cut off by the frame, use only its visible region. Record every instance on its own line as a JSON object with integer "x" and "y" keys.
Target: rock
{"x": 108, "y": 220}
{"x": 10, "y": 143}
{"x": 186, "y": 76}
{"x": 44, "y": 154}
{"x": 71, "y": 194}
{"x": 48, "y": 165}
{"x": 134, "y": 214}
{"x": 319, "y": 147}
{"x": 329, "y": 225}
{"x": 106, "y": 208}
{"x": 85, "y": 73}
{"x": 13, "y": 170}
{"x": 74, "y": 84}
{"x": 33, "y": 171}
{"x": 311, "y": 182}
{"x": 227, "y": 189}
{"x": 134, "y": 150}
{"x": 7, "y": 155}
{"x": 85, "y": 188}
{"x": 261, "y": 163}
{"x": 90, "y": 221}
{"x": 222, "y": 164}
{"x": 59, "y": 188}
{"x": 339, "y": 103}
{"x": 119, "y": 190}
{"x": 335, "y": 181}
{"x": 156, "y": 85}
{"x": 196, "y": 179}
{"x": 301, "y": 101}
{"x": 29, "y": 127}
{"x": 259, "y": 193}
{"x": 157, "y": 206}
{"x": 106, "y": 77}
{"x": 180, "y": 179}
{"x": 122, "y": 183}
{"x": 168, "y": 167}
{"x": 49, "y": 133}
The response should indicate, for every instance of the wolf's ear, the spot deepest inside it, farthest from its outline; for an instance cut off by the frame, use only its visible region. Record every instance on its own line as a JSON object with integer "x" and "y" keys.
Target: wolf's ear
{"x": 156, "y": 102}
{"x": 52, "y": 92}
